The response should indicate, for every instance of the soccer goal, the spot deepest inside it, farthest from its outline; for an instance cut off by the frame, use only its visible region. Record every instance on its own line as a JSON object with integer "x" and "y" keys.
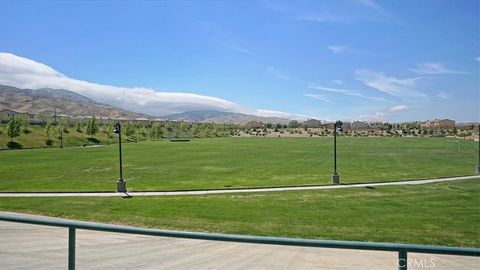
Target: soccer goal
{"x": 452, "y": 146}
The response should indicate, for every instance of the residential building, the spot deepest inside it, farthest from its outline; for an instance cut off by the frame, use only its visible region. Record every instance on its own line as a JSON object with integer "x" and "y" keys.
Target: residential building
{"x": 9, "y": 114}
{"x": 312, "y": 123}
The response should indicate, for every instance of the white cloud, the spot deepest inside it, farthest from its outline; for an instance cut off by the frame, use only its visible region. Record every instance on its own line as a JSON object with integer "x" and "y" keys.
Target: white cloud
{"x": 377, "y": 117}
{"x": 25, "y": 73}
{"x": 323, "y": 17}
{"x": 443, "y": 95}
{"x": 369, "y": 3}
{"x": 399, "y": 108}
{"x": 390, "y": 85}
{"x": 434, "y": 68}
{"x": 337, "y": 48}
{"x": 339, "y": 82}
{"x": 335, "y": 90}
{"x": 345, "y": 92}
{"x": 278, "y": 74}
{"x": 319, "y": 97}
{"x": 270, "y": 113}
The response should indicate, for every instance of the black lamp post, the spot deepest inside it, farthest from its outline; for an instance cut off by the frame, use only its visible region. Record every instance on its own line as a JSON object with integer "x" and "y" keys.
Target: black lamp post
{"x": 121, "y": 184}
{"x": 335, "y": 175}
{"x": 61, "y": 137}
{"x": 478, "y": 164}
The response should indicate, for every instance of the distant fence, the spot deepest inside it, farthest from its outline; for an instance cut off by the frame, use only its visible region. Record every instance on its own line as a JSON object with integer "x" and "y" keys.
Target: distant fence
{"x": 402, "y": 249}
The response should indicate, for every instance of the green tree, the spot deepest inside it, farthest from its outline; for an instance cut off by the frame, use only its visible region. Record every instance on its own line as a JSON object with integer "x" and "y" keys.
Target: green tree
{"x": 92, "y": 126}
{"x": 48, "y": 129}
{"x": 14, "y": 128}
{"x": 129, "y": 130}
{"x": 293, "y": 124}
{"x": 78, "y": 126}
{"x": 24, "y": 124}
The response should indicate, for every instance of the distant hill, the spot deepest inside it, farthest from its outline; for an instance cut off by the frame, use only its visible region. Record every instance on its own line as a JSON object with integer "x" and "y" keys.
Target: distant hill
{"x": 212, "y": 116}
{"x": 195, "y": 116}
{"x": 65, "y": 102}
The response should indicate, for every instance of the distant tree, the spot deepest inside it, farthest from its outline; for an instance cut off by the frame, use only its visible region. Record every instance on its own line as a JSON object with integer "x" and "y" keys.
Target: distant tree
{"x": 14, "y": 128}
{"x": 129, "y": 130}
{"x": 78, "y": 126}
{"x": 48, "y": 129}
{"x": 387, "y": 126}
{"x": 59, "y": 130}
{"x": 92, "y": 126}
{"x": 24, "y": 124}
{"x": 107, "y": 130}
{"x": 293, "y": 124}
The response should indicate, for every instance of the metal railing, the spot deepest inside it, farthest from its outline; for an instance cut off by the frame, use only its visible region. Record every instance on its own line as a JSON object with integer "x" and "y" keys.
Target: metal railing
{"x": 72, "y": 225}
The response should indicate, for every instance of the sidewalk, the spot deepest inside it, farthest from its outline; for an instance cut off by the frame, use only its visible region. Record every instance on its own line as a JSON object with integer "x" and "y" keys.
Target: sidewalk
{"x": 245, "y": 190}
{"x": 26, "y": 246}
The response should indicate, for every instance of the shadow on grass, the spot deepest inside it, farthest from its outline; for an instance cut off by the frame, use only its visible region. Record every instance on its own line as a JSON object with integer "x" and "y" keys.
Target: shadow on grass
{"x": 14, "y": 145}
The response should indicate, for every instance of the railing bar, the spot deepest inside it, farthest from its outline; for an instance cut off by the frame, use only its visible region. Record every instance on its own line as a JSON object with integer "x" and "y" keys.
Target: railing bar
{"x": 402, "y": 260}
{"x": 71, "y": 248}
{"x": 245, "y": 239}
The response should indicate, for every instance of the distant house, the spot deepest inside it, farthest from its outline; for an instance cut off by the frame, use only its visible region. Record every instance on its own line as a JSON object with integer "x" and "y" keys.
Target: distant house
{"x": 312, "y": 123}
{"x": 9, "y": 114}
{"x": 439, "y": 124}
{"x": 359, "y": 125}
{"x": 375, "y": 125}
{"x": 254, "y": 124}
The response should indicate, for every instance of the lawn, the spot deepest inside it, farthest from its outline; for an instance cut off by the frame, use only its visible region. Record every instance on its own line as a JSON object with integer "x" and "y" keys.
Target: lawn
{"x": 232, "y": 163}
{"x": 439, "y": 214}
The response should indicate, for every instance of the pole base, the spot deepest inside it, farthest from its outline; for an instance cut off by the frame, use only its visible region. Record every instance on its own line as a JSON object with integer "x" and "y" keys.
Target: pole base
{"x": 121, "y": 186}
{"x": 335, "y": 179}
{"x": 478, "y": 168}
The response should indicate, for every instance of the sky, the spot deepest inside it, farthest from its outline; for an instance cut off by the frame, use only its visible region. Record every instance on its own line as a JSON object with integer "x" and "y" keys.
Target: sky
{"x": 347, "y": 60}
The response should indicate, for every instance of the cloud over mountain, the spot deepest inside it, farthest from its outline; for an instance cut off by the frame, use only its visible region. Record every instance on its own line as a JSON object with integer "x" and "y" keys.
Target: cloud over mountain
{"x": 25, "y": 73}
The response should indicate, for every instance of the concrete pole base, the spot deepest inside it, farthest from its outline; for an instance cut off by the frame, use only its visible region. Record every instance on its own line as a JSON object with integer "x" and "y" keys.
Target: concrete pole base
{"x": 335, "y": 179}
{"x": 121, "y": 186}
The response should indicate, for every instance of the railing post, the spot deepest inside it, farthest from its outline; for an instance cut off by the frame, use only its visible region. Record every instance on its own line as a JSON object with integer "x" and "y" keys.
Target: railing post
{"x": 71, "y": 248}
{"x": 402, "y": 259}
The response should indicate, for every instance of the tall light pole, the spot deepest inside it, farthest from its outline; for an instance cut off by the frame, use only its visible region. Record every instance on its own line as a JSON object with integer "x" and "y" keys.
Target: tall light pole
{"x": 61, "y": 136}
{"x": 121, "y": 184}
{"x": 335, "y": 175}
{"x": 478, "y": 135}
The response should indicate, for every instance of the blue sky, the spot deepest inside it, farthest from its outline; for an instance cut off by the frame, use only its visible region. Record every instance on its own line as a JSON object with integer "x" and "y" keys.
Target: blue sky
{"x": 366, "y": 60}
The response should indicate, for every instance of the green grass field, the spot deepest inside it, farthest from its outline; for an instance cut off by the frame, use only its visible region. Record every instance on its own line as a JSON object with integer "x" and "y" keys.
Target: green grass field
{"x": 440, "y": 214}
{"x": 232, "y": 163}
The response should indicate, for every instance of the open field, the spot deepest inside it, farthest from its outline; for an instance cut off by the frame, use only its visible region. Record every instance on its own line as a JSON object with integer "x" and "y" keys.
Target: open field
{"x": 231, "y": 163}
{"x": 440, "y": 214}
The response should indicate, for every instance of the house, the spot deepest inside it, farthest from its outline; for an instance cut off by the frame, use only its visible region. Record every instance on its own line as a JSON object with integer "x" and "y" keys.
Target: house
{"x": 376, "y": 125}
{"x": 254, "y": 124}
{"x": 8, "y": 114}
{"x": 359, "y": 125}
{"x": 312, "y": 123}
{"x": 439, "y": 124}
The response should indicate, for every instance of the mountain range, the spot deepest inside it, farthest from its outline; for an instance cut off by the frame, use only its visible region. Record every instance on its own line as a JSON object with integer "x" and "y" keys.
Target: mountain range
{"x": 66, "y": 102}
{"x": 212, "y": 116}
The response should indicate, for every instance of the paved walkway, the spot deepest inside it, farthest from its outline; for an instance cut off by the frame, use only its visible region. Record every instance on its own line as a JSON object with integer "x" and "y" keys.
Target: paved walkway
{"x": 25, "y": 246}
{"x": 246, "y": 190}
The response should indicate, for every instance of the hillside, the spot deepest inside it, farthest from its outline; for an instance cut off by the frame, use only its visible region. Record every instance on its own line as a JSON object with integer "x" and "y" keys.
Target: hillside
{"x": 66, "y": 102}
{"x": 212, "y": 116}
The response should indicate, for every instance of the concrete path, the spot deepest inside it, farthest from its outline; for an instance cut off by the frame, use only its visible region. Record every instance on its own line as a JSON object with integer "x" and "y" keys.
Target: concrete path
{"x": 246, "y": 190}
{"x": 25, "y": 246}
